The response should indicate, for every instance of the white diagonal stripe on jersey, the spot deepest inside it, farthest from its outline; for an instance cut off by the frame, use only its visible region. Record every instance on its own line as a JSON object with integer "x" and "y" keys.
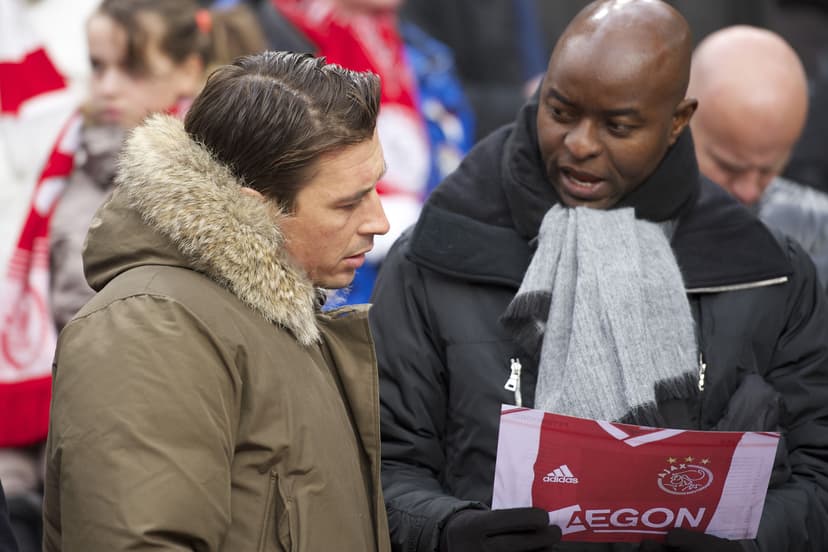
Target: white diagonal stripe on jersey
{"x": 612, "y": 430}
{"x": 653, "y": 437}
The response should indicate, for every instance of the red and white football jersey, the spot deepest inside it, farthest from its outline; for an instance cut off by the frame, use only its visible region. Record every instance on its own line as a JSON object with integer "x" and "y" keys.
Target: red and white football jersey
{"x": 610, "y": 482}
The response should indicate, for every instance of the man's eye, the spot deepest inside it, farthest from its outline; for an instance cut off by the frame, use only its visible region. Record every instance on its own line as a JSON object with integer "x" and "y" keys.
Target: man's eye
{"x": 729, "y": 169}
{"x": 619, "y": 129}
{"x": 561, "y": 115}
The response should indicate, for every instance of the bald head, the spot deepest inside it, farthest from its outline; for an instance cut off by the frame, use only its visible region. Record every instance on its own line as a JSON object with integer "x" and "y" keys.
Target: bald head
{"x": 753, "y": 102}
{"x": 613, "y": 99}
{"x": 638, "y": 37}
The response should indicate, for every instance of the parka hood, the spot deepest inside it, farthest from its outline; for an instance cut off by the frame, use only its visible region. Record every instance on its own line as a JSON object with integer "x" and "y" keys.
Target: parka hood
{"x": 174, "y": 204}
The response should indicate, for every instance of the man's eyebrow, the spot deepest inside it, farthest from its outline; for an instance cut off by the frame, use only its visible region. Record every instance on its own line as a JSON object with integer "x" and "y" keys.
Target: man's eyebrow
{"x": 729, "y": 165}
{"x": 623, "y": 112}
{"x": 560, "y": 97}
{"x": 356, "y": 196}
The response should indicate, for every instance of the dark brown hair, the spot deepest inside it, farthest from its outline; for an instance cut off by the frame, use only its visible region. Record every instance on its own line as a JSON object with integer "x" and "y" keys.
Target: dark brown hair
{"x": 270, "y": 116}
{"x": 231, "y": 32}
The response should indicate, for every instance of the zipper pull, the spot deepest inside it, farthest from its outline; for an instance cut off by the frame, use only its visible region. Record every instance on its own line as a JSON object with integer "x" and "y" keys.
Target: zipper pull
{"x": 513, "y": 383}
{"x": 702, "y": 371}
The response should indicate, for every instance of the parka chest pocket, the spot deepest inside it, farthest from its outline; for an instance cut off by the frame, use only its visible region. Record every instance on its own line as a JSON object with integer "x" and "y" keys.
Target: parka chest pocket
{"x": 279, "y": 519}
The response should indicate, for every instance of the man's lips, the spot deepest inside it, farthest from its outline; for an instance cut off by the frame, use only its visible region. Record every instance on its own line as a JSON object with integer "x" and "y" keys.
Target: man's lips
{"x": 361, "y": 253}
{"x": 580, "y": 176}
{"x": 356, "y": 260}
{"x": 581, "y": 185}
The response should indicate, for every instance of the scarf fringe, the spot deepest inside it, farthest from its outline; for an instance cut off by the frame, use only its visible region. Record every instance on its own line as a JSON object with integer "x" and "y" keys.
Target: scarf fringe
{"x": 521, "y": 320}
{"x": 676, "y": 389}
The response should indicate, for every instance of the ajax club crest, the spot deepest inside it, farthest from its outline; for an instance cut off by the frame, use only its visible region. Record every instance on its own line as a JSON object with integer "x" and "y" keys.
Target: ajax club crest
{"x": 683, "y": 476}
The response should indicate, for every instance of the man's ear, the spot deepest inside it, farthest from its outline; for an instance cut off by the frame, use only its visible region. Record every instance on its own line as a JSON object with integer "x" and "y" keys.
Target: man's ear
{"x": 252, "y": 193}
{"x": 681, "y": 117}
{"x": 273, "y": 207}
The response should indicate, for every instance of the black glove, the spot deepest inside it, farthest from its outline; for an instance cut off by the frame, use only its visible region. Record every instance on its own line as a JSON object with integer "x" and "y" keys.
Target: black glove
{"x": 513, "y": 530}
{"x": 653, "y": 546}
{"x": 690, "y": 541}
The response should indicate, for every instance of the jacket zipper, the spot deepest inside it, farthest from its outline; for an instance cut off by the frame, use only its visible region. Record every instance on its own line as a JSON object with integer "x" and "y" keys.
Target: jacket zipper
{"x": 700, "y": 336}
{"x": 513, "y": 383}
{"x": 739, "y": 287}
{"x": 702, "y": 368}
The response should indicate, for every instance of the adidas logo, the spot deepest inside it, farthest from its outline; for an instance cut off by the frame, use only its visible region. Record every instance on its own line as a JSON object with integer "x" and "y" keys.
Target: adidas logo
{"x": 561, "y": 475}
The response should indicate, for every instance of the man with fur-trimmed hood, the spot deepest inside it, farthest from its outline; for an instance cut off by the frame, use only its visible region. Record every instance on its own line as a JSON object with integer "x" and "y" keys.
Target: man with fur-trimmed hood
{"x": 201, "y": 400}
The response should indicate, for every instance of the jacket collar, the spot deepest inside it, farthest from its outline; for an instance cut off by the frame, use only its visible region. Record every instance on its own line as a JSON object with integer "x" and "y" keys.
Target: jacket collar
{"x": 481, "y": 222}
{"x": 187, "y": 197}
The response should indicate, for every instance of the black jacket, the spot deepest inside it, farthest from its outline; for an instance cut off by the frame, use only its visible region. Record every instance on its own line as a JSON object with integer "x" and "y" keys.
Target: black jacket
{"x": 444, "y": 357}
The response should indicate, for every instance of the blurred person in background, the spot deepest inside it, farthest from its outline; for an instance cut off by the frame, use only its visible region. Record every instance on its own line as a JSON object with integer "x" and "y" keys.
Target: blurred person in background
{"x": 425, "y": 124}
{"x": 146, "y": 56}
{"x": 35, "y": 100}
{"x": 201, "y": 400}
{"x": 753, "y": 104}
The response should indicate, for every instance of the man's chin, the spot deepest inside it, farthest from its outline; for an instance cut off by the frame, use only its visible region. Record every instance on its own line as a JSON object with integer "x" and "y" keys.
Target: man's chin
{"x": 602, "y": 204}
{"x": 338, "y": 282}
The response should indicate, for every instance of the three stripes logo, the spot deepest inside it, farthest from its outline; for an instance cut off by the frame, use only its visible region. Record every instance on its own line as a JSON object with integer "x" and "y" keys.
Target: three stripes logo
{"x": 561, "y": 475}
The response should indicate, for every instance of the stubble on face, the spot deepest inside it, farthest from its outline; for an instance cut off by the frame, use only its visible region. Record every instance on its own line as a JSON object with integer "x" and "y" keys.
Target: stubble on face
{"x": 337, "y": 214}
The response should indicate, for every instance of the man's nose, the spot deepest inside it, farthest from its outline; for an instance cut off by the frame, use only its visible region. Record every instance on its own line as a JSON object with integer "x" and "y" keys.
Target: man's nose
{"x": 582, "y": 141}
{"x": 376, "y": 223}
{"x": 748, "y": 186}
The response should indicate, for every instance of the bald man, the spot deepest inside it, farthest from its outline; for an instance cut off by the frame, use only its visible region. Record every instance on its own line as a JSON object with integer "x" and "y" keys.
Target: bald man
{"x": 753, "y": 101}
{"x": 576, "y": 262}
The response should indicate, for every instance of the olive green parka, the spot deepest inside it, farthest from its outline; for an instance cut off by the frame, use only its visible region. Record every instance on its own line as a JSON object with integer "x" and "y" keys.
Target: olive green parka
{"x": 200, "y": 401}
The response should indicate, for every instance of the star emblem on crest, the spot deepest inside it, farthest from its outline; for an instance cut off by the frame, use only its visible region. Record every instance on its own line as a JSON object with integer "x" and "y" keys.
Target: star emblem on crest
{"x": 671, "y": 460}
{"x": 705, "y": 461}
{"x": 688, "y": 459}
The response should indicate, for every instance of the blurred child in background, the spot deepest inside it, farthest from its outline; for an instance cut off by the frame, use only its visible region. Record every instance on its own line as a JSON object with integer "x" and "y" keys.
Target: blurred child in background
{"x": 147, "y": 56}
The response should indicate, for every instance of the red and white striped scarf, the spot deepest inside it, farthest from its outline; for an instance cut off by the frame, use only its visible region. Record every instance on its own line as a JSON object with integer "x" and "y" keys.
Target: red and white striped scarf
{"x": 29, "y": 89}
{"x": 28, "y": 82}
{"x": 27, "y": 329}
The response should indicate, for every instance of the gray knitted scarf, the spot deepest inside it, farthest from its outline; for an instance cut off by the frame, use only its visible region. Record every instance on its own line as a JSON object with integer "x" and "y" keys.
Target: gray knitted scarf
{"x": 603, "y": 306}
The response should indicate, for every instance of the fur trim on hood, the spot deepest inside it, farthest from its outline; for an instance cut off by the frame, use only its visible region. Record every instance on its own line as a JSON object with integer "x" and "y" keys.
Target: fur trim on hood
{"x": 183, "y": 192}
